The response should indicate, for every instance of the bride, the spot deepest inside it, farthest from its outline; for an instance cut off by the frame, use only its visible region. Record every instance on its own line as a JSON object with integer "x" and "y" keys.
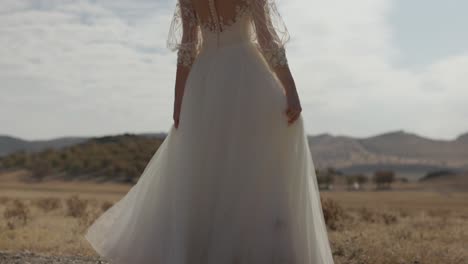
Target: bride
{"x": 234, "y": 181}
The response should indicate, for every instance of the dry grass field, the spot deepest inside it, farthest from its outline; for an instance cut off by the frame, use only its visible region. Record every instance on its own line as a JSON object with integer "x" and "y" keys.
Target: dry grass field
{"x": 365, "y": 227}
{"x": 399, "y": 227}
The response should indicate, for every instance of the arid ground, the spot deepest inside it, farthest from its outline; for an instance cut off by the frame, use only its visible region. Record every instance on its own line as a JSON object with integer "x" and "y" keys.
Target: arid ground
{"x": 44, "y": 223}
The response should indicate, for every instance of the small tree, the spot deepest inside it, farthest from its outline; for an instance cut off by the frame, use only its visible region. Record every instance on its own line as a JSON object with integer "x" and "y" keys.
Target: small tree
{"x": 362, "y": 179}
{"x": 40, "y": 170}
{"x": 403, "y": 180}
{"x": 383, "y": 179}
{"x": 350, "y": 180}
{"x": 325, "y": 178}
{"x": 355, "y": 182}
{"x": 325, "y": 181}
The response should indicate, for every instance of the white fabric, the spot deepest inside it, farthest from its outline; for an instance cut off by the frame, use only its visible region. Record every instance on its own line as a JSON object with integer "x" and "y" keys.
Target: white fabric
{"x": 268, "y": 30}
{"x": 234, "y": 184}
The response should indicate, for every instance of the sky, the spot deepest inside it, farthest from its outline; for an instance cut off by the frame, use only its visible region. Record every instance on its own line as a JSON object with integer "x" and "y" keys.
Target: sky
{"x": 362, "y": 67}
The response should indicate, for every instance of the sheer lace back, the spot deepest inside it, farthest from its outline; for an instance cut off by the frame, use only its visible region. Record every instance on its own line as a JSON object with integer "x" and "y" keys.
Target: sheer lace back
{"x": 225, "y": 25}
{"x": 219, "y": 17}
{"x": 195, "y": 21}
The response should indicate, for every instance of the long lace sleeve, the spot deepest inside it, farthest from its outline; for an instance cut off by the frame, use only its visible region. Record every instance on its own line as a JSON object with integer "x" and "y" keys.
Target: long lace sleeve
{"x": 184, "y": 33}
{"x": 269, "y": 32}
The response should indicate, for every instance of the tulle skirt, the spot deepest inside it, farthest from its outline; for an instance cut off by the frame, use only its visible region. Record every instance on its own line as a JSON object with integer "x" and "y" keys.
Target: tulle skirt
{"x": 234, "y": 184}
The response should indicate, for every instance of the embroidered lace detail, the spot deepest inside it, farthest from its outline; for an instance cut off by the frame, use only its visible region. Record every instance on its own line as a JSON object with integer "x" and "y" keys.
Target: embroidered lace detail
{"x": 184, "y": 34}
{"x": 219, "y": 24}
{"x": 268, "y": 31}
{"x": 276, "y": 57}
{"x": 241, "y": 10}
{"x": 185, "y": 57}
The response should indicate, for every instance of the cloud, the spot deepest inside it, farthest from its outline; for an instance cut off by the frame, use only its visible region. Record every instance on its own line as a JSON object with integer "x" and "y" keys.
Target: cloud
{"x": 91, "y": 68}
{"x": 76, "y": 67}
{"x": 343, "y": 56}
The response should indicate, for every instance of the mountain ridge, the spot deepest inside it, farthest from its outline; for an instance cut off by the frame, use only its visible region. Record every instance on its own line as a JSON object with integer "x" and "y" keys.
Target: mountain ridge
{"x": 10, "y": 144}
{"x": 394, "y": 149}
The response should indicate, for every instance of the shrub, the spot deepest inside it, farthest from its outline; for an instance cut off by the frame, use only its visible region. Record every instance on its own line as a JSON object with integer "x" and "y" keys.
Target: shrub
{"x": 437, "y": 174}
{"x": 76, "y": 206}
{"x": 325, "y": 181}
{"x": 4, "y": 199}
{"x": 332, "y": 212}
{"x": 361, "y": 179}
{"x": 373, "y": 216}
{"x": 48, "y": 204}
{"x": 389, "y": 219}
{"x": 40, "y": 170}
{"x": 384, "y": 179}
{"x": 367, "y": 215}
{"x": 106, "y": 205}
{"x": 17, "y": 213}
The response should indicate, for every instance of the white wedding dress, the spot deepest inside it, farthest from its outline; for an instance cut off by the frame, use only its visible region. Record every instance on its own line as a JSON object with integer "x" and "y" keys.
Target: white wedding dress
{"x": 233, "y": 184}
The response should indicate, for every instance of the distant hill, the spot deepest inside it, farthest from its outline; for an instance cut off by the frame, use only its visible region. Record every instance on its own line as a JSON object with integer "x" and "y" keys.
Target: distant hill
{"x": 116, "y": 158}
{"x": 399, "y": 150}
{"x": 463, "y": 138}
{"x": 403, "y": 152}
{"x": 10, "y": 144}
{"x": 446, "y": 180}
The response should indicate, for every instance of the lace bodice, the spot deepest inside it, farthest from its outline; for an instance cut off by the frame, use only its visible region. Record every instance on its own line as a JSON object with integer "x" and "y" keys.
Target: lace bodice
{"x": 194, "y": 20}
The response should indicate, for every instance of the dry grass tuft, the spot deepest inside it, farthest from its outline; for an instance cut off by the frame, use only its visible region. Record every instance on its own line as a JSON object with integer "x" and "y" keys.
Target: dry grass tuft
{"x": 419, "y": 239}
{"x": 106, "y": 205}
{"x": 48, "y": 204}
{"x": 376, "y": 216}
{"x": 364, "y": 227}
{"x": 4, "y": 199}
{"x": 333, "y": 213}
{"x": 76, "y": 207}
{"x": 17, "y": 214}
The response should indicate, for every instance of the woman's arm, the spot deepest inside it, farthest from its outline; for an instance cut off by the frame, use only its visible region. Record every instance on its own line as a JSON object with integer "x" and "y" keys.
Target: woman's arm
{"x": 294, "y": 105}
{"x": 271, "y": 39}
{"x": 187, "y": 43}
{"x": 181, "y": 78}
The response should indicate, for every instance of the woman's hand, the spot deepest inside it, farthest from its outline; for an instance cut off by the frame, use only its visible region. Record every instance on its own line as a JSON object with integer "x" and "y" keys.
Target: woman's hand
{"x": 176, "y": 119}
{"x": 294, "y": 108}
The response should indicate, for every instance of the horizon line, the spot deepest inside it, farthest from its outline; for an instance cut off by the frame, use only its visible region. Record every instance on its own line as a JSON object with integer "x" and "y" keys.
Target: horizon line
{"x": 313, "y": 135}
